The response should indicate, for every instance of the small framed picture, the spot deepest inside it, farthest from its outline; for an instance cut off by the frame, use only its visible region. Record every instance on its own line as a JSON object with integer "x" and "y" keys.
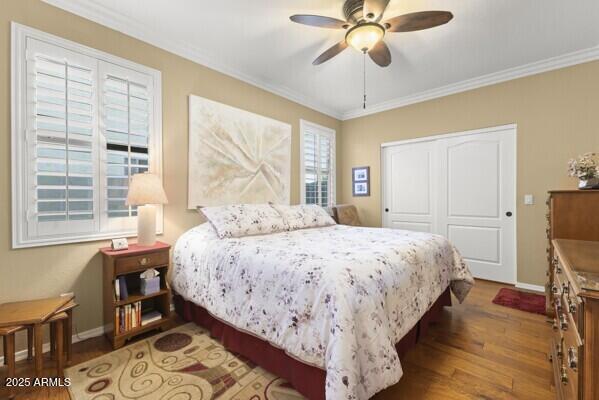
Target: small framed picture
{"x": 361, "y": 174}
{"x": 361, "y": 181}
{"x": 361, "y": 189}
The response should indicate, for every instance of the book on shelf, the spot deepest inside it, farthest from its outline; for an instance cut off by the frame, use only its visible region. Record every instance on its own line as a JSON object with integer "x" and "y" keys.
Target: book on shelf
{"x": 150, "y": 317}
{"x": 124, "y": 293}
{"x": 128, "y": 317}
{"x": 117, "y": 290}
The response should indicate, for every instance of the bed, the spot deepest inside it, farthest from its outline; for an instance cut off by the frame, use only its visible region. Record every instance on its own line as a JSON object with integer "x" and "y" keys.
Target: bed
{"x": 335, "y": 300}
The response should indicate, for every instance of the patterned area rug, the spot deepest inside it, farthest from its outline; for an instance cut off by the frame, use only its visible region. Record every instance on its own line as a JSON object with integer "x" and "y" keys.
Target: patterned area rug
{"x": 183, "y": 363}
{"x": 529, "y": 302}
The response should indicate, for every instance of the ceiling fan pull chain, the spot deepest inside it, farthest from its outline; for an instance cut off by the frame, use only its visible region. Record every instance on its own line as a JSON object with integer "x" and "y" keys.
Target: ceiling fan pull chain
{"x": 364, "y": 66}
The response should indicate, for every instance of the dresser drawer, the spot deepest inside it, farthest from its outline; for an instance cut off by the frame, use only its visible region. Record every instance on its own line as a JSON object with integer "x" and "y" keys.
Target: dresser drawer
{"x": 565, "y": 361}
{"x": 566, "y": 300}
{"x": 137, "y": 263}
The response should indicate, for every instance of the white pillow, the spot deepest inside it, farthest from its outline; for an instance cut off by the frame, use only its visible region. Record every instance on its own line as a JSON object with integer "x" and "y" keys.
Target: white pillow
{"x": 240, "y": 220}
{"x": 304, "y": 216}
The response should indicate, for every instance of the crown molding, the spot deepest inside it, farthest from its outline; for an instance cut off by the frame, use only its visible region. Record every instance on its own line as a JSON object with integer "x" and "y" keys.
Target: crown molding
{"x": 537, "y": 67}
{"x": 103, "y": 16}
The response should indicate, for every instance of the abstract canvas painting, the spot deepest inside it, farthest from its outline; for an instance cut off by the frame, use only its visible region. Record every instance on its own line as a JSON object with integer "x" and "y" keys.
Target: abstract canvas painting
{"x": 236, "y": 156}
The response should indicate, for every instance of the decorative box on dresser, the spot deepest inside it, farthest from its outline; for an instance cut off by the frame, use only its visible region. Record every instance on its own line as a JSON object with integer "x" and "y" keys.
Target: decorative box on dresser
{"x": 130, "y": 263}
{"x": 573, "y": 256}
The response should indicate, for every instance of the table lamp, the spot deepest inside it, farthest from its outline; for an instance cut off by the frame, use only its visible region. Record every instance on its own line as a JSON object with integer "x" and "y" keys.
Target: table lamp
{"x": 145, "y": 191}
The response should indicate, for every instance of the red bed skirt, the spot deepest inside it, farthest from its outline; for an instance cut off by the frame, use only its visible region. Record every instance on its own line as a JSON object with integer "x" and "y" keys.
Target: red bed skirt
{"x": 306, "y": 379}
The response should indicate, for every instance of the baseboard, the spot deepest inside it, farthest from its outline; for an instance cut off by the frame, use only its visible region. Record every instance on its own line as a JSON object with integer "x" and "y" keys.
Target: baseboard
{"x": 528, "y": 286}
{"x": 22, "y": 354}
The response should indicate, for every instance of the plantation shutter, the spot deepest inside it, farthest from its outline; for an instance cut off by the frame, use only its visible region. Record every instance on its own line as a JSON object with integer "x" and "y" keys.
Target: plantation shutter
{"x": 318, "y": 171}
{"x": 126, "y": 100}
{"x": 60, "y": 135}
{"x": 311, "y": 168}
{"x": 324, "y": 170}
{"x": 83, "y": 123}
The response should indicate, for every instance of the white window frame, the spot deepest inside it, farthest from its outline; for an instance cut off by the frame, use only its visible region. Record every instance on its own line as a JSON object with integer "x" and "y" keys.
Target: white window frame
{"x": 331, "y": 134}
{"x": 20, "y": 239}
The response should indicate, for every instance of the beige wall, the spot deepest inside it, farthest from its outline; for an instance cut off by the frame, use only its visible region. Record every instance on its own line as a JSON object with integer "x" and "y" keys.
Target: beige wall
{"x": 557, "y": 114}
{"x": 47, "y": 271}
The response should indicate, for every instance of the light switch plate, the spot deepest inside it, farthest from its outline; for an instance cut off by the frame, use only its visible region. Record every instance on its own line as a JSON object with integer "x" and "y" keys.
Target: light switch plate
{"x": 529, "y": 199}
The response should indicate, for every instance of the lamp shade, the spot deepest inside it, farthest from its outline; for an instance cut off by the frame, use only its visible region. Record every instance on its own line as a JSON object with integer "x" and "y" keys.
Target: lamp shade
{"x": 144, "y": 189}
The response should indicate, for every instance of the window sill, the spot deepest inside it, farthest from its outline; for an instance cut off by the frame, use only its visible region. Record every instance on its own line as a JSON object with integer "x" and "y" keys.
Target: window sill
{"x": 23, "y": 244}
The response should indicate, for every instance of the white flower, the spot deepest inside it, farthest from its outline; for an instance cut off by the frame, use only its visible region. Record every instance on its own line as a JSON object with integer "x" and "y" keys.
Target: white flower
{"x": 585, "y": 167}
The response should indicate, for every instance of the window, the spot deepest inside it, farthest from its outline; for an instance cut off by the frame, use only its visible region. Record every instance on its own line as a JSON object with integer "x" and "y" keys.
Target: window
{"x": 317, "y": 164}
{"x": 83, "y": 123}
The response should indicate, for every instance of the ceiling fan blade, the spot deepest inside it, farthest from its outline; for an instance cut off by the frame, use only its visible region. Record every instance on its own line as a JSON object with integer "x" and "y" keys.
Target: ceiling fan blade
{"x": 331, "y": 52}
{"x": 319, "y": 21}
{"x": 380, "y": 54}
{"x": 373, "y": 9}
{"x": 417, "y": 21}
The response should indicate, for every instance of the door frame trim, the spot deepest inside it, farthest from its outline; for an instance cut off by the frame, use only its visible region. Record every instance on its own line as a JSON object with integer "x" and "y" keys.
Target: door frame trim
{"x": 453, "y": 134}
{"x": 513, "y": 126}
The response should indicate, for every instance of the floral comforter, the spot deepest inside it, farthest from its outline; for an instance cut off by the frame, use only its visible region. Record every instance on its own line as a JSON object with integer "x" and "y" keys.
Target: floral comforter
{"x": 337, "y": 297}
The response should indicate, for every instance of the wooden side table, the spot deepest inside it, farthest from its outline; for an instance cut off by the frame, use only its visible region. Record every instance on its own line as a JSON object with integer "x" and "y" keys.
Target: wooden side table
{"x": 130, "y": 263}
{"x": 8, "y": 336}
{"x": 68, "y": 330}
{"x": 33, "y": 314}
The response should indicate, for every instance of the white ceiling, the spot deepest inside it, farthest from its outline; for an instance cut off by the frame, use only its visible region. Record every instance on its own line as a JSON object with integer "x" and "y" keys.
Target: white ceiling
{"x": 486, "y": 42}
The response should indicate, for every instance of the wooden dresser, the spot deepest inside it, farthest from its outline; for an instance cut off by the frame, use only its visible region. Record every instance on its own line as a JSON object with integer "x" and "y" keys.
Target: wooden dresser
{"x": 572, "y": 214}
{"x": 575, "y": 345}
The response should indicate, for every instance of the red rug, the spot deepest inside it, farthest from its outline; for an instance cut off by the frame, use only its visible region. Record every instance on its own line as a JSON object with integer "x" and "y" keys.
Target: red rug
{"x": 529, "y": 302}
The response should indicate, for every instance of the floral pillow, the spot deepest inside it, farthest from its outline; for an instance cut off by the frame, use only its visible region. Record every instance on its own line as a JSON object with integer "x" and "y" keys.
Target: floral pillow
{"x": 304, "y": 216}
{"x": 240, "y": 220}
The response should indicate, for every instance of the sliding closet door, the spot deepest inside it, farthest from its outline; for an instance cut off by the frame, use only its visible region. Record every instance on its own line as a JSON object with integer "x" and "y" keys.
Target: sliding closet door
{"x": 477, "y": 201}
{"x": 461, "y": 187}
{"x": 409, "y": 187}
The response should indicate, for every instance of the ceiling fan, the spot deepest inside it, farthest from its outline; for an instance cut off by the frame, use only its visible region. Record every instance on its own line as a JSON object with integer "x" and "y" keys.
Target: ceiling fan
{"x": 365, "y": 31}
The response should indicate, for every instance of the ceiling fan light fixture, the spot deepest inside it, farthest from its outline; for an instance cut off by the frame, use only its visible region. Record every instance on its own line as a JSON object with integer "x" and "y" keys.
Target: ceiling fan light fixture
{"x": 364, "y": 37}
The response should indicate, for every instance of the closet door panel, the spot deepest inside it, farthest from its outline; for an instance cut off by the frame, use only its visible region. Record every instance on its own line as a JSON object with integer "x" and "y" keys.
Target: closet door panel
{"x": 410, "y": 187}
{"x": 461, "y": 187}
{"x": 477, "y": 201}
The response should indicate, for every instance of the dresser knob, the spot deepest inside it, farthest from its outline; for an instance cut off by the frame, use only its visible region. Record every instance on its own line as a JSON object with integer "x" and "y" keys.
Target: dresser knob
{"x": 558, "y": 303}
{"x": 559, "y": 349}
{"x": 144, "y": 261}
{"x": 564, "y": 375}
{"x": 563, "y": 324}
{"x": 558, "y": 269}
{"x": 571, "y": 307}
{"x": 572, "y": 358}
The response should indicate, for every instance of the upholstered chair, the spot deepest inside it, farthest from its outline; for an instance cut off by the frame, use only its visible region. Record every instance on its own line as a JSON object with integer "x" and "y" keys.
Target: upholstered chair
{"x": 346, "y": 214}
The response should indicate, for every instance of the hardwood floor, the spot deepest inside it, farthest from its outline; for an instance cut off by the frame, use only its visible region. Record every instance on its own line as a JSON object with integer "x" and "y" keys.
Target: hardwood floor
{"x": 478, "y": 351}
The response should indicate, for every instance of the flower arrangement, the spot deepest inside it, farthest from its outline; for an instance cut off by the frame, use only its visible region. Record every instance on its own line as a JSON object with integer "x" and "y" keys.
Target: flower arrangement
{"x": 585, "y": 168}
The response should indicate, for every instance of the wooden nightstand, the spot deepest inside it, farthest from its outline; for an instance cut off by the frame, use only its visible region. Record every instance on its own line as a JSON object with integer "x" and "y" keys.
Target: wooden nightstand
{"x": 131, "y": 263}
